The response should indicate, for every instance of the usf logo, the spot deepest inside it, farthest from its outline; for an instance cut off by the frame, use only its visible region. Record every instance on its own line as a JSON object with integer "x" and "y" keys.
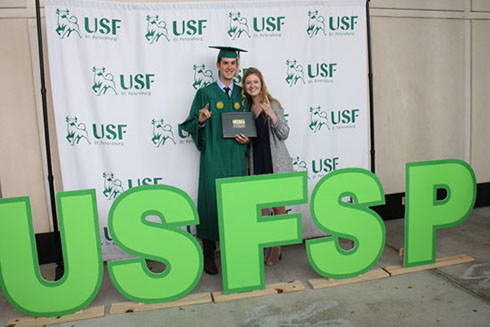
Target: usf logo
{"x": 324, "y": 165}
{"x": 343, "y": 23}
{"x": 336, "y": 25}
{"x": 344, "y": 118}
{"x": 99, "y": 28}
{"x": 319, "y": 72}
{"x": 318, "y": 119}
{"x": 155, "y": 29}
{"x": 109, "y": 132}
{"x": 316, "y": 23}
{"x": 180, "y": 30}
{"x": 294, "y": 73}
{"x": 319, "y": 167}
{"x": 133, "y": 182}
{"x": 112, "y": 186}
{"x": 202, "y": 76}
{"x": 322, "y": 70}
{"x": 335, "y": 119}
{"x": 75, "y": 131}
{"x": 268, "y": 24}
{"x": 238, "y": 25}
{"x": 102, "y": 81}
{"x": 66, "y": 24}
{"x": 161, "y": 132}
{"x": 133, "y": 84}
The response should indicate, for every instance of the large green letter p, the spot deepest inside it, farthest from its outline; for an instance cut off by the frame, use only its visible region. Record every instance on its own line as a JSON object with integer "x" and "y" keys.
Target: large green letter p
{"x": 424, "y": 213}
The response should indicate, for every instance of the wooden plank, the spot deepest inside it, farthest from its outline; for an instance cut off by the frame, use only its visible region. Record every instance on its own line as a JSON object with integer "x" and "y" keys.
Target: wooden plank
{"x": 88, "y": 313}
{"x": 219, "y": 297}
{"x": 286, "y": 287}
{"x": 318, "y": 283}
{"x": 442, "y": 262}
{"x": 401, "y": 252}
{"x": 125, "y": 307}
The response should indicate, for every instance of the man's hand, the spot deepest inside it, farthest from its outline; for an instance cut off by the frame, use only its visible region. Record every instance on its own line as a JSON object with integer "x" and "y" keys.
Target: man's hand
{"x": 204, "y": 114}
{"x": 242, "y": 139}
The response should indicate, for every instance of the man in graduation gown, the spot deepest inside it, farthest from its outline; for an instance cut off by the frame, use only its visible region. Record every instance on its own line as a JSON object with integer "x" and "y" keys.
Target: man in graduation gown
{"x": 220, "y": 157}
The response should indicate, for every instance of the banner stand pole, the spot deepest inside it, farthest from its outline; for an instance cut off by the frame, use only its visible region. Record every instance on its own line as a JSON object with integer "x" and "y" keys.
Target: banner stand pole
{"x": 372, "y": 151}
{"x": 59, "y": 262}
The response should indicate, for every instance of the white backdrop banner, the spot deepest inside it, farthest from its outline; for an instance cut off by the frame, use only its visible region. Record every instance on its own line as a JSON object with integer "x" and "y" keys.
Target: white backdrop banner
{"x": 124, "y": 75}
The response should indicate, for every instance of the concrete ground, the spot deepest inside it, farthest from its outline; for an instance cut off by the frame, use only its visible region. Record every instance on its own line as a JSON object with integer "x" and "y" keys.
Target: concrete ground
{"x": 453, "y": 296}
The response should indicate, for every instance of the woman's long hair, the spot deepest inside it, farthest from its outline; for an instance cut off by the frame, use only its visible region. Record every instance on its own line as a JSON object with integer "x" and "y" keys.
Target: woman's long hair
{"x": 263, "y": 94}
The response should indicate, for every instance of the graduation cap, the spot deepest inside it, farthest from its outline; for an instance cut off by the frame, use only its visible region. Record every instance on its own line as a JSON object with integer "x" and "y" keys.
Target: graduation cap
{"x": 227, "y": 52}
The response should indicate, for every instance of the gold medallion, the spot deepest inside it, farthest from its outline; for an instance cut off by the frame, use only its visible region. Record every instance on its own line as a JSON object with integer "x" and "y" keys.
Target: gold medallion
{"x": 237, "y": 105}
{"x": 220, "y": 105}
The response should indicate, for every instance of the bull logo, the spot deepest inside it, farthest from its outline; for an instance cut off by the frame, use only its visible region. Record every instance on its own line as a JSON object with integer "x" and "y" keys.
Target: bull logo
{"x": 237, "y": 79}
{"x": 298, "y": 164}
{"x": 112, "y": 186}
{"x": 155, "y": 29}
{"x": 75, "y": 131}
{"x": 295, "y": 73}
{"x": 318, "y": 119}
{"x": 202, "y": 76}
{"x": 102, "y": 81}
{"x": 161, "y": 132}
{"x": 238, "y": 25}
{"x": 66, "y": 24}
{"x": 316, "y": 23}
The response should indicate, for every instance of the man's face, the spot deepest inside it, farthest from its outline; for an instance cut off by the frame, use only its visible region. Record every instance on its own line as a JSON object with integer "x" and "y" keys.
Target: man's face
{"x": 227, "y": 67}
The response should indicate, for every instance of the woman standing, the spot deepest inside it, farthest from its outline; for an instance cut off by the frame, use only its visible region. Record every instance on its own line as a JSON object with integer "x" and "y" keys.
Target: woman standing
{"x": 268, "y": 152}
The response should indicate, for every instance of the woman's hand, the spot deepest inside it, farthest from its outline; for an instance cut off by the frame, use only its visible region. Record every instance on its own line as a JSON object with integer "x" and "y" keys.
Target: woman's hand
{"x": 266, "y": 107}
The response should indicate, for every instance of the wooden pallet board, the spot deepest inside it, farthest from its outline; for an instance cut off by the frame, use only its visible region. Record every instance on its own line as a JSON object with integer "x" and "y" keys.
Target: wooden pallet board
{"x": 126, "y": 307}
{"x": 94, "y": 312}
{"x": 318, "y": 283}
{"x": 442, "y": 262}
{"x": 286, "y": 287}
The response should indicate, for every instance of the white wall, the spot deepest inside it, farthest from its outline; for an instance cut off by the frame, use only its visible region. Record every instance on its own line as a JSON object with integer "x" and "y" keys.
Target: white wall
{"x": 431, "y": 93}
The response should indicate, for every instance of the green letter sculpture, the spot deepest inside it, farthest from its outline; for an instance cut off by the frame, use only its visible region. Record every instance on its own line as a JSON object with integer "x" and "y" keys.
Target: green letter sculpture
{"x": 244, "y": 233}
{"x": 424, "y": 214}
{"x": 164, "y": 242}
{"x": 20, "y": 278}
{"x": 354, "y": 221}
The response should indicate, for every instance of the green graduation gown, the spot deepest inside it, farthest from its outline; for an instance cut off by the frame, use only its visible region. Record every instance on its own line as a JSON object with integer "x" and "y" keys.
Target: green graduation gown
{"x": 220, "y": 157}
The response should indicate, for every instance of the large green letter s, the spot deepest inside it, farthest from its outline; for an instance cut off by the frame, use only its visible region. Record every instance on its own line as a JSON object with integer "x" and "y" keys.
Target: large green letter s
{"x": 424, "y": 214}
{"x": 164, "y": 242}
{"x": 354, "y": 221}
{"x": 20, "y": 278}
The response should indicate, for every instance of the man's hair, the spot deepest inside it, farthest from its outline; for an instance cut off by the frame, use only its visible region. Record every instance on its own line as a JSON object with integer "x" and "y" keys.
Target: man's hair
{"x": 219, "y": 59}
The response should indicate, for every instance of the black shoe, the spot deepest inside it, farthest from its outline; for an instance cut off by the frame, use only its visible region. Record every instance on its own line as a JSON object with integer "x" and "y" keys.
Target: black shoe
{"x": 210, "y": 266}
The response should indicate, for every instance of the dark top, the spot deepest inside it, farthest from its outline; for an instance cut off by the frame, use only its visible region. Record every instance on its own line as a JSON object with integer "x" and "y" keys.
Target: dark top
{"x": 262, "y": 148}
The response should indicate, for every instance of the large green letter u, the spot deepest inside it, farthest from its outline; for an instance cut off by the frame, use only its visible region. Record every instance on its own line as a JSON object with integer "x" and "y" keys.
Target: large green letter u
{"x": 20, "y": 278}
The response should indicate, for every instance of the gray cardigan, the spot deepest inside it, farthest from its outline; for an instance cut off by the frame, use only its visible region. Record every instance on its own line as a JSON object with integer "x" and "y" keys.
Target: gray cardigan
{"x": 281, "y": 160}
